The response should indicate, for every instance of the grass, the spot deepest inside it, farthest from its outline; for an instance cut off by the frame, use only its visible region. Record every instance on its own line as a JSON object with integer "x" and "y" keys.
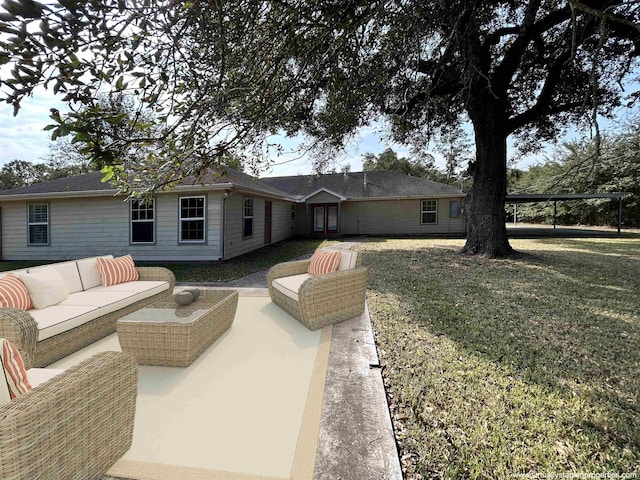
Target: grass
{"x": 500, "y": 367}
{"x": 203, "y": 272}
{"x": 234, "y": 268}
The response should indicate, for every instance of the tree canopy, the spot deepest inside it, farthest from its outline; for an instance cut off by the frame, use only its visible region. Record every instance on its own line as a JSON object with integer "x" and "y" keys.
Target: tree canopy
{"x": 424, "y": 167}
{"x": 222, "y": 77}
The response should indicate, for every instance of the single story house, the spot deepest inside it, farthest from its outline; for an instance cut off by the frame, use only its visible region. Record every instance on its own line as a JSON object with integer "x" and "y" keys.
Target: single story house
{"x": 218, "y": 217}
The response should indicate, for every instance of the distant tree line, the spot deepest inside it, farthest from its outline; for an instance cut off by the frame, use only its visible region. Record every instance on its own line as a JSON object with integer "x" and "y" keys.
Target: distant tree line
{"x": 586, "y": 167}
{"x": 63, "y": 160}
{"x": 423, "y": 167}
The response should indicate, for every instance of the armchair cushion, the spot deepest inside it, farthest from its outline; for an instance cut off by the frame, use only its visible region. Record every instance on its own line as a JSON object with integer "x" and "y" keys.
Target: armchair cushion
{"x": 13, "y": 371}
{"x": 290, "y": 286}
{"x": 13, "y": 293}
{"x": 324, "y": 261}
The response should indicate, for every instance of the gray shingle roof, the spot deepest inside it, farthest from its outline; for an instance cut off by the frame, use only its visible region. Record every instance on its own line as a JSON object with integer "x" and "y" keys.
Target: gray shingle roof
{"x": 380, "y": 184}
{"x": 78, "y": 183}
{"x": 92, "y": 182}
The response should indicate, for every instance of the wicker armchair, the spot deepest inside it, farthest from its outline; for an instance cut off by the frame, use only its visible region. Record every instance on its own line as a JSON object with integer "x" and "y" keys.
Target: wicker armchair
{"x": 74, "y": 426}
{"x": 321, "y": 299}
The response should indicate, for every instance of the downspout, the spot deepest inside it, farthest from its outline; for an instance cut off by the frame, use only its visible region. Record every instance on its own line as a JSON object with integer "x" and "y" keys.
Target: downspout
{"x": 227, "y": 193}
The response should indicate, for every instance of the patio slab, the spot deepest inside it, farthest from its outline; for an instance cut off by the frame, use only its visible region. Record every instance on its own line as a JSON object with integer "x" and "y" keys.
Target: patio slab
{"x": 344, "y": 432}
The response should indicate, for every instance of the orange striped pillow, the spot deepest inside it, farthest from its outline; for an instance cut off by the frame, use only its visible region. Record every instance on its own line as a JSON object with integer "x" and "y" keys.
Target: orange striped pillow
{"x": 324, "y": 261}
{"x": 13, "y": 293}
{"x": 13, "y": 369}
{"x": 117, "y": 270}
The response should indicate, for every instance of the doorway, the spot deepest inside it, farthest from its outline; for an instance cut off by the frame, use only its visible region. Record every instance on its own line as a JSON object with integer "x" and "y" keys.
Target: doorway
{"x": 267, "y": 222}
{"x": 325, "y": 219}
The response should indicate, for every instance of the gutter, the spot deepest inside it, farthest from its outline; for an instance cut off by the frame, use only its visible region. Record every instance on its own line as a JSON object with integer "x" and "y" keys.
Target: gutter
{"x": 112, "y": 192}
{"x": 420, "y": 197}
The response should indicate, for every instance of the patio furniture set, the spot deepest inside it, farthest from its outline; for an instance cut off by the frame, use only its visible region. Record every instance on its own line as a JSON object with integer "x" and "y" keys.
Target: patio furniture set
{"x": 77, "y": 423}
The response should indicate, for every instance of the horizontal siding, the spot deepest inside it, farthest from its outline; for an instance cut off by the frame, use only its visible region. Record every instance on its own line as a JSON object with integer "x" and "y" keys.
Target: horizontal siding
{"x": 395, "y": 217}
{"x": 97, "y": 226}
{"x": 281, "y": 224}
{"x": 323, "y": 197}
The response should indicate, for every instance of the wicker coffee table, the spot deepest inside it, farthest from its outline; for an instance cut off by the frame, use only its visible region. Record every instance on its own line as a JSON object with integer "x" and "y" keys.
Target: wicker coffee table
{"x": 165, "y": 333}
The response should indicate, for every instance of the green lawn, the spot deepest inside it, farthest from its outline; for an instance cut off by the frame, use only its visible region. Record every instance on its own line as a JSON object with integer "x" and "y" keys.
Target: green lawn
{"x": 500, "y": 367}
{"x": 231, "y": 269}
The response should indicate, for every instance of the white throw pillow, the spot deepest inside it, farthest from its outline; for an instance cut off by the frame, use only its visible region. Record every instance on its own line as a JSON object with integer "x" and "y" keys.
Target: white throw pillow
{"x": 46, "y": 287}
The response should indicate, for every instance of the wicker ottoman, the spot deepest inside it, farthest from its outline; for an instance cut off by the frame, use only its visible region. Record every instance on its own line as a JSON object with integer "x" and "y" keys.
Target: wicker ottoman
{"x": 164, "y": 333}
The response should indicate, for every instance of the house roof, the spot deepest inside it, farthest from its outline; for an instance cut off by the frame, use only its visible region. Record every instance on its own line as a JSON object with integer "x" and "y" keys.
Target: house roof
{"x": 91, "y": 184}
{"x": 380, "y": 184}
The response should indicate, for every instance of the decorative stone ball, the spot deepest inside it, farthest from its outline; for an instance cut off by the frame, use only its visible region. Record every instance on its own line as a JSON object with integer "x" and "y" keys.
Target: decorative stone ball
{"x": 195, "y": 292}
{"x": 183, "y": 298}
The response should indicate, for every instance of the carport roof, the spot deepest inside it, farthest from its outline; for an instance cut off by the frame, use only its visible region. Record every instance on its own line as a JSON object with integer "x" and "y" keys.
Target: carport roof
{"x": 551, "y": 197}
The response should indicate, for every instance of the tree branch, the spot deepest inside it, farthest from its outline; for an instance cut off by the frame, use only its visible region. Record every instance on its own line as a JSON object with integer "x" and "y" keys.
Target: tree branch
{"x": 529, "y": 31}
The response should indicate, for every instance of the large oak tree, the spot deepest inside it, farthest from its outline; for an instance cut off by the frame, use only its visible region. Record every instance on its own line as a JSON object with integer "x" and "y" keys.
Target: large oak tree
{"x": 221, "y": 76}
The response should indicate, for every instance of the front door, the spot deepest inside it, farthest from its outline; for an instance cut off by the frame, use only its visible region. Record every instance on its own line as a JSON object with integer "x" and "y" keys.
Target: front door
{"x": 325, "y": 219}
{"x": 267, "y": 222}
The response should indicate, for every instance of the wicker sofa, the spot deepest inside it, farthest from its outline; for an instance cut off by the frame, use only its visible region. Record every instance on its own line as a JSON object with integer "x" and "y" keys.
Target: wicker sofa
{"x": 74, "y": 424}
{"x": 89, "y": 313}
{"x": 319, "y": 300}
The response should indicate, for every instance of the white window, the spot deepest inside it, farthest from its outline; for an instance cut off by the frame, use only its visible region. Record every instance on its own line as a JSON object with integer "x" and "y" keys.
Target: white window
{"x": 429, "y": 211}
{"x": 247, "y": 216}
{"x": 192, "y": 219}
{"x": 143, "y": 221}
{"x": 38, "y": 224}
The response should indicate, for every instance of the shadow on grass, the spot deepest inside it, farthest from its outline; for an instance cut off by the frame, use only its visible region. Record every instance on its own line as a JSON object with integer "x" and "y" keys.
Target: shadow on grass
{"x": 567, "y": 322}
{"x": 242, "y": 265}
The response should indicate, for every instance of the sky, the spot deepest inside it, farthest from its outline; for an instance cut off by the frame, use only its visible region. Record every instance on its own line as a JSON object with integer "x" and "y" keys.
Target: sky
{"x": 23, "y": 137}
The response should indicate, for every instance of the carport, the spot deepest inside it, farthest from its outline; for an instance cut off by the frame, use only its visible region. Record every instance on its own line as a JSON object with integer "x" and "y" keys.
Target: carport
{"x": 517, "y": 198}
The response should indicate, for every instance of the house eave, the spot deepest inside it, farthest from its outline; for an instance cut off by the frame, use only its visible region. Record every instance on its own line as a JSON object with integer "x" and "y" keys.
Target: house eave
{"x": 342, "y": 198}
{"x": 414, "y": 197}
{"x": 111, "y": 192}
{"x": 47, "y": 195}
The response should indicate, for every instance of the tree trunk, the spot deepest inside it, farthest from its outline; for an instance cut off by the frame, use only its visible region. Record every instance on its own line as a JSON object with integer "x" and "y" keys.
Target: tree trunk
{"x": 485, "y": 215}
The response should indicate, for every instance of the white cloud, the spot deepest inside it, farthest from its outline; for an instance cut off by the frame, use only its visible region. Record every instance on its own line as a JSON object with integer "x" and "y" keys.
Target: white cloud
{"x": 22, "y": 137}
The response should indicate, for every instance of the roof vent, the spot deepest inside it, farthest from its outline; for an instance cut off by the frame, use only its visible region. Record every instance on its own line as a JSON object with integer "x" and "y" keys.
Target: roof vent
{"x": 364, "y": 179}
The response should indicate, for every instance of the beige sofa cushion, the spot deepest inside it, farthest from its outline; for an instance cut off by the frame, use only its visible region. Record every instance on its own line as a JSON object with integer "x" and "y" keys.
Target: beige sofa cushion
{"x": 115, "y": 297}
{"x": 58, "y": 318}
{"x": 68, "y": 271}
{"x": 46, "y": 286}
{"x": 89, "y": 274}
{"x": 148, "y": 287}
{"x": 107, "y": 302}
{"x": 289, "y": 286}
